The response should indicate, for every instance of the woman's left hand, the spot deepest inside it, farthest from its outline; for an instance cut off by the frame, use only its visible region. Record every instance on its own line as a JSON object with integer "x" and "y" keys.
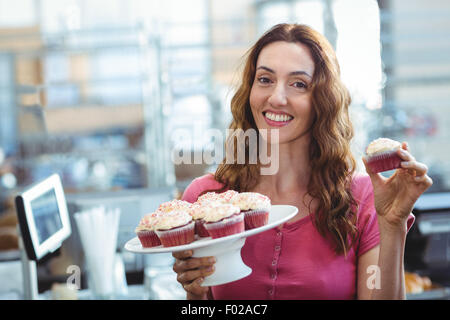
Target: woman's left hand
{"x": 395, "y": 196}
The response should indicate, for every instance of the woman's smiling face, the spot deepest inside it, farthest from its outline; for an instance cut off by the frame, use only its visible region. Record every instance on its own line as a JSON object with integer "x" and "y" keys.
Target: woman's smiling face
{"x": 280, "y": 96}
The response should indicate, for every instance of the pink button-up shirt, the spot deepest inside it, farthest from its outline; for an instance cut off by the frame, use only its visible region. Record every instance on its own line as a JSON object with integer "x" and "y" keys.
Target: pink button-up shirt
{"x": 294, "y": 261}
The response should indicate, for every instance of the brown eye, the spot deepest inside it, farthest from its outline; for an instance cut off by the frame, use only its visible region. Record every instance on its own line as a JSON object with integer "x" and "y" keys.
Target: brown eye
{"x": 299, "y": 85}
{"x": 263, "y": 80}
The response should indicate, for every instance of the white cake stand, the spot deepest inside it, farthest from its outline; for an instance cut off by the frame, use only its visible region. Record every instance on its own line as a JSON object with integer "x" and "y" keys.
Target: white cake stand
{"x": 227, "y": 250}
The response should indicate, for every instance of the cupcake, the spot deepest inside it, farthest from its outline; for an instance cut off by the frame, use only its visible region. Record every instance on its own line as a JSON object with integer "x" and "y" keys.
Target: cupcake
{"x": 145, "y": 231}
{"x": 255, "y": 206}
{"x": 175, "y": 228}
{"x": 174, "y": 205}
{"x": 224, "y": 197}
{"x": 381, "y": 155}
{"x": 227, "y": 195}
{"x": 204, "y": 198}
{"x": 223, "y": 219}
{"x": 198, "y": 212}
{"x": 199, "y": 209}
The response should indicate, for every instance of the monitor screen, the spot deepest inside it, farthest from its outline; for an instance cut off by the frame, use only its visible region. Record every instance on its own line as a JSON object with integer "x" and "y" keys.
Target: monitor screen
{"x": 46, "y": 215}
{"x": 43, "y": 217}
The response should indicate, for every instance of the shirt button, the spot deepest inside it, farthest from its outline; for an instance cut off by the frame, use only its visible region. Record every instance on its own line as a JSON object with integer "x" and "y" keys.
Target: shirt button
{"x": 271, "y": 292}
{"x": 274, "y": 262}
{"x": 273, "y": 276}
{"x": 279, "y": 233}
{"x": 277, "y": 248}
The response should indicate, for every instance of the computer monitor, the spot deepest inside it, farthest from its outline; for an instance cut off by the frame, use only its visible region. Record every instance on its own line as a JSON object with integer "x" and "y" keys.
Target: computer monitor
{"x": 43, "y": 217}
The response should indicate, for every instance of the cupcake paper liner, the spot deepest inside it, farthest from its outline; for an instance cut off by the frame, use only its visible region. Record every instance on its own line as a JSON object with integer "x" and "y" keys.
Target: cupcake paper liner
{"x": 200, "y": 229}
{"x": 226, "y": 227}
{"x": 177, "y": 236}
{"x": 148, "y": 238}
{"x": 384, "y": 161}
{"x": 256, "y": 218}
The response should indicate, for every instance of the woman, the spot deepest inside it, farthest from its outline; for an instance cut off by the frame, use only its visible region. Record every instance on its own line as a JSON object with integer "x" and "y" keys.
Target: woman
{"x": 347, "y": 240}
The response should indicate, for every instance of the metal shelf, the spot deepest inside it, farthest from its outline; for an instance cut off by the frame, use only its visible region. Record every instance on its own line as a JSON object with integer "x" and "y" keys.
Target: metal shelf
{"x": 90, "y": 43}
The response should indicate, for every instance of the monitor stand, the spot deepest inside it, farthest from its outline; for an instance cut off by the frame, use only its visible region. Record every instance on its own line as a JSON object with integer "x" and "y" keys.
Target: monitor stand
{"x": 29, "y": 273}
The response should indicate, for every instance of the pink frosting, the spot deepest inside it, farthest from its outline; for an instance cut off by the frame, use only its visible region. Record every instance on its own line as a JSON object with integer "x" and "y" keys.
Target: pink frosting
{"x": 174, "y": 205}
{"x": 251, "y": 200}
{"x": 148, "y": 221}
{"x": 224, "y": 197}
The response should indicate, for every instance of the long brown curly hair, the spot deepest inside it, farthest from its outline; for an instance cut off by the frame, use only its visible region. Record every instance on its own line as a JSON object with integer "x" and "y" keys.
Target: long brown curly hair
{"x": 332, "y": 163}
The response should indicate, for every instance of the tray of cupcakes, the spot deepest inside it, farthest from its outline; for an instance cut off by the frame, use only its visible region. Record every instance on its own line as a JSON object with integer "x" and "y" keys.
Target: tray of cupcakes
{"x": 214, "y": 218}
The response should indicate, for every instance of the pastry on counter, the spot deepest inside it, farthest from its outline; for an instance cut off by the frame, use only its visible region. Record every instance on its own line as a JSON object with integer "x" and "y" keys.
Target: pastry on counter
{"x": 416, "y": 284}
{"x": 61, "y": 291}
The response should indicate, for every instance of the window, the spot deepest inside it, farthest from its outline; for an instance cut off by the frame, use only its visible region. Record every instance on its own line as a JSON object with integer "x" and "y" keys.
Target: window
{"x": 416, "y": 57}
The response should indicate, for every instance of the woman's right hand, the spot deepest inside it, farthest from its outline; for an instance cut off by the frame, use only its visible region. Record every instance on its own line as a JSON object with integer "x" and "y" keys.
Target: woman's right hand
{"x": 191, "y": 273}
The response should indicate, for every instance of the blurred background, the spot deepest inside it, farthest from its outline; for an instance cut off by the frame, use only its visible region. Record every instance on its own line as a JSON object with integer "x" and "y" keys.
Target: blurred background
{"x": 103, "y": 91}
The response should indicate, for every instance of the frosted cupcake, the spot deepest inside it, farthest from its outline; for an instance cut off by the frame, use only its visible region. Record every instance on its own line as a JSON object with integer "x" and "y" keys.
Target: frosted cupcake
{"x": 255, "y": 206}
{"x": 198, "y": 213}
{"x": 174, "y": 205}
{"x": 223, "y": 219}
{"x": 381, "y": 155}
{"x": 175, "y": 228}
{"x": 145, "y": 230}
{"x": 224, "y": 197}
{"x": 227, "y": 195}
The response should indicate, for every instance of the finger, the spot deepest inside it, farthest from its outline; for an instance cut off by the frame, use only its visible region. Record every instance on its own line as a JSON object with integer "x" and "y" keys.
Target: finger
{"x": 375, "y": 177}
{"x": 182, "y": 254}
{"x": 192, "y": 275}
{"x": 425, "y": 179}
{"x": 193, "y": 263}
{"x": 195, "y": 287}
{"x": 405, "y": 146}
{"x": 419, "y": 169}
{"x": 405, "y": 155}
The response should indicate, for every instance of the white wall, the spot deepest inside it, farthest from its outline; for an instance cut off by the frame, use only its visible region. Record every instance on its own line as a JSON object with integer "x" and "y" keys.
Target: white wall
{"x": 17, "y": 13}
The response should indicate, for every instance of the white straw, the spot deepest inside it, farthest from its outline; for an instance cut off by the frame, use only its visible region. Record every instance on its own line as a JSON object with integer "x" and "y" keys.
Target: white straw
{"x": 98, "y": 230}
